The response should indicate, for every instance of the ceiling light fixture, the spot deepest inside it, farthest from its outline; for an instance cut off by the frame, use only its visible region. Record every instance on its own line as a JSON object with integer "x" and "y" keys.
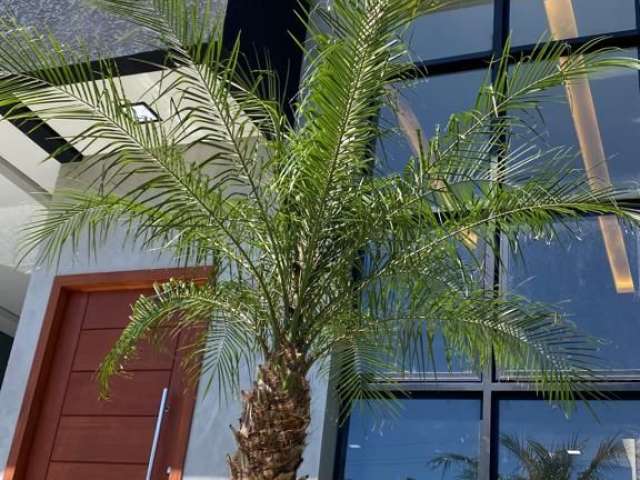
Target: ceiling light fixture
{"x": 143, "y": 113}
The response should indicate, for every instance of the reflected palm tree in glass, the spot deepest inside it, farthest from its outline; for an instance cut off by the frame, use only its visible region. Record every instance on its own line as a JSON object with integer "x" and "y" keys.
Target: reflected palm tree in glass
{"x": 539, "y": 462}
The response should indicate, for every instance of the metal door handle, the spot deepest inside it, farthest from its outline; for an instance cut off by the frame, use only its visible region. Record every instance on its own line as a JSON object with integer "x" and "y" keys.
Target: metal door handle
{"x": 156, "y": 433}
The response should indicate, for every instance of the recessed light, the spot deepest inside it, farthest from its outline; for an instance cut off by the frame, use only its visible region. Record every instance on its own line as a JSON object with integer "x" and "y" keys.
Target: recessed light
{"x": 574, "y": 452}
{"x": 143, "y": 113}
{"x": 354, "y": 445}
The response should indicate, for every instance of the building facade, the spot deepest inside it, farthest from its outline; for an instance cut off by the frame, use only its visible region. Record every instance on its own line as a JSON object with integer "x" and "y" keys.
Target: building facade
{"x": 456, "y": 423}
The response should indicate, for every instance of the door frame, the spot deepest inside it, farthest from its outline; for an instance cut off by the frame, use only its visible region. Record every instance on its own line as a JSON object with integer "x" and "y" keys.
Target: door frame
{"x": 41, "y": 366}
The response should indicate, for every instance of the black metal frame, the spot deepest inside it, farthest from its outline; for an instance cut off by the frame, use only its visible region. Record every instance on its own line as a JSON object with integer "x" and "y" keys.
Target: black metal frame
{"x": 490, "y": 388}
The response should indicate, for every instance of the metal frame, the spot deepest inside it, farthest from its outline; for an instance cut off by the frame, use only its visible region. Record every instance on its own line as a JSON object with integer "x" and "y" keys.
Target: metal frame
{"x": 491, "y": 388}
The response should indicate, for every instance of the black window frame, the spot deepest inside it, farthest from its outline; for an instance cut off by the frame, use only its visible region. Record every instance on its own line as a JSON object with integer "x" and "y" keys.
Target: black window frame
{"x": 490, "y": 388}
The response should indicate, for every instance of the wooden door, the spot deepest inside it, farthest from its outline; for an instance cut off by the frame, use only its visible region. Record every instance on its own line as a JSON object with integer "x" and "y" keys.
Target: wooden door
{"x": 74, "y": 435}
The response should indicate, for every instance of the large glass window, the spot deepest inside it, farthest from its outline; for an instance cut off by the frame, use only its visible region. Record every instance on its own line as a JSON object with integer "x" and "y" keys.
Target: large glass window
{"x": 538, "y": 442}
{"x": 591, "y": 273}
{"x": 597, "y": 118}
{"x": 427, "y": 433}
{"x": 533, "y": 20}
{"x": 454, "y": 29}
{"x": 593, "y": 280}
{"x": 423, "y": 107}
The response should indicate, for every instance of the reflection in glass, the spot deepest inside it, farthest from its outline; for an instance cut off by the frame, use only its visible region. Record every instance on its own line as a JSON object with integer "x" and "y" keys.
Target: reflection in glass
{"x": 599, "y": 120}
{"x": 456, "y": 28}
{"x": 575, "y": 275}
{"x": 530, "y": 18}
{"x": 5, "y": 348}
{"x": 404, "y": 448}
{"x": 422, "y": 108}
{"x": 538, "y": 442}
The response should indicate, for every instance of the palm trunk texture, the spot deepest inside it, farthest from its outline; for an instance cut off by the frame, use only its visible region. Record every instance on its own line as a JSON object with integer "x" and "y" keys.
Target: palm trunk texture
{"x": 273, "y": 426}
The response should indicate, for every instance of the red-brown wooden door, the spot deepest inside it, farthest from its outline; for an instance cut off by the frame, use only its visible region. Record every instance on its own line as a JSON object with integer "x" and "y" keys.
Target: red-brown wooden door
{"x": 79, "y": 437}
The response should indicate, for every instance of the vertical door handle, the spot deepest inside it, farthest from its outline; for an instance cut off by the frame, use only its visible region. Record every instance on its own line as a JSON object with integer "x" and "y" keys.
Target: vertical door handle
{"x": 156, "y": 433}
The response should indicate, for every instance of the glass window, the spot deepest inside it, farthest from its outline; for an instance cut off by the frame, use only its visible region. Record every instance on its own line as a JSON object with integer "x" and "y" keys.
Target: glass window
{"x": 599, "y": 118}
{"x": 563, "y": 19}
{"x": 538, "y": 442}
{"x": 5, "y": 349}
{"x": 422, "y": 107}
{"x": 455, "y": 29}
{"x": 426, "y": 433}
{"x": 593, "y": 279}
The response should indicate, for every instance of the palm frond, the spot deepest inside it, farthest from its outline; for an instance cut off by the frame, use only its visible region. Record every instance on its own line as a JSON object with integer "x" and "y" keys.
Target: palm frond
{"x": 224, "y": 312}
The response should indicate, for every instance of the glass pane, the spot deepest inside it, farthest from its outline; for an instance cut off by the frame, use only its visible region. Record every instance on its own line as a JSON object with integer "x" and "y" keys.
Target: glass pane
{"x": 457, "y": 29}
{"x": 593, "y": 279}
{"x": 563, "y": 19}
{"x": 415, "y": 445}
{"x": 5, "y": 348}
{"x": 537, "y": 441}
{"x": 423, "y": 107}
{"x": 425, "y": 353}
{"x": 598, "y": 118}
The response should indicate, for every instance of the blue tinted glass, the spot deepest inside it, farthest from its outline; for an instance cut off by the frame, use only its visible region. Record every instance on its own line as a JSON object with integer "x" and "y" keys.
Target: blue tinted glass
{"x": 462, "y": 28}
{"x": 607, "y": 152}
{"x": 594, "y": 282}
{"x": 537, "y": 441}
{"x": 423, "y": 107}
{"x": 414, "y": 445}
{"x": 562, "y": 19}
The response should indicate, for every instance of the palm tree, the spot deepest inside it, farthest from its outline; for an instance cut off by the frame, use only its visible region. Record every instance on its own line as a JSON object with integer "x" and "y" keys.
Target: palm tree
{"x": 538, "y": 462}
{"x": 313, "y": 258}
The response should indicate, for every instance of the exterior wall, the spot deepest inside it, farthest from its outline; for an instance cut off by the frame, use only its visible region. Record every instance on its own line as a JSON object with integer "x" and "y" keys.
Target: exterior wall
{"x": 211, "y": 440}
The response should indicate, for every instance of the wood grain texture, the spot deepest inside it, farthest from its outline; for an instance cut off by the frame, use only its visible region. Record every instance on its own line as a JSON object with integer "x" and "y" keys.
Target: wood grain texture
{"x": 95, "y": 471}
{"x": 61, "y": 424}
{"x": 95, "y": 344}
{"x": 137, "y": 395}
{"x": 104, "y": 439}
{"x": 47, "y": 423}
{"x": 111, "y": 309}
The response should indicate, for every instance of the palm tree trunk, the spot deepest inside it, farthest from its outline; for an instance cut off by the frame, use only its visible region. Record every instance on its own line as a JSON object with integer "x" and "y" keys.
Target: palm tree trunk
{"x": 275, "y": 416}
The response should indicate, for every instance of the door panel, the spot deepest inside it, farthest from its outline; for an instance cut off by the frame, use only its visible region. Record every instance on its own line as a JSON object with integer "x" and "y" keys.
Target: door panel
{"x": 95, "y": 344}
{"x": 82, "y": 396}
{"x": 78, "y": 436}
{"x": 104, "y": 439}
{"x": 95, "y": 471}
{"x": 110, "y": 309}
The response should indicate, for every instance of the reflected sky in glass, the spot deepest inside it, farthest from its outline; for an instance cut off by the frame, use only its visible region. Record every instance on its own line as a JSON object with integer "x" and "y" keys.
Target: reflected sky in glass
{"x": 616, "y": 99}
{"x": 464, "y": 28}
{"x": 427, "y": 105}
{"x": 404, "y": 448}
{"x": 576, "y": 276}
{"x": 529, "y": 20}
{"x": 565, "y": 449}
